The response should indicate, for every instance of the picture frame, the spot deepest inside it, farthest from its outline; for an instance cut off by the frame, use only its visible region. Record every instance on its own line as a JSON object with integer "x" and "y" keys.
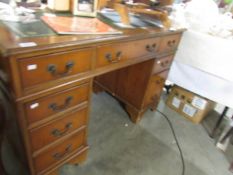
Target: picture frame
{"x": 84, "y": 7}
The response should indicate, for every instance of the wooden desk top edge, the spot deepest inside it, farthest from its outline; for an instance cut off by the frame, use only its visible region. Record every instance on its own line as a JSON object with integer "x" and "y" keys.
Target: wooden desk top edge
{"x": 9, "y": 42}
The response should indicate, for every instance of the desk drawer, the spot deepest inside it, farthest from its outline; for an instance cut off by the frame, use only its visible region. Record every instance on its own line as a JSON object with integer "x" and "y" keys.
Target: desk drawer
{"x": 54, "y": 130}
{"x": 49, "y": 105}
{"x": 116, "y": 53}
{"x": 42, "y": 69}
{"x": 169, "y": 43}
{"x": 155, "y": 88}
{"x": 77, "y": 158}
{"x": 60, "y": 151}
{"x": 162, "y": 64}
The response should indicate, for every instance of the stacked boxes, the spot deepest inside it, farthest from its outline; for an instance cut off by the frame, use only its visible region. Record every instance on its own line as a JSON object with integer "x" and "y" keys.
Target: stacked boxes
{"x": 189, "y": 105}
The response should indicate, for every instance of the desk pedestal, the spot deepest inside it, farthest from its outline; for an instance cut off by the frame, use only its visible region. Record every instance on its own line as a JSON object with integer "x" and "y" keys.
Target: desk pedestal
{"x": 138, "y": 86}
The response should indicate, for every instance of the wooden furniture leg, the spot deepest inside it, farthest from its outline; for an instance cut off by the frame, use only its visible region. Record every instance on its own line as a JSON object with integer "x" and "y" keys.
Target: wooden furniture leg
{"x": 228, "y": 134}
{"x": 134, "y": 115}
{"x": 219, "y": 122}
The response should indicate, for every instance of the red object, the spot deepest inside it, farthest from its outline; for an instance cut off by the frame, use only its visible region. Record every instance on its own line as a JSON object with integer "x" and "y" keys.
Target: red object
{"x": 78, "y": 25}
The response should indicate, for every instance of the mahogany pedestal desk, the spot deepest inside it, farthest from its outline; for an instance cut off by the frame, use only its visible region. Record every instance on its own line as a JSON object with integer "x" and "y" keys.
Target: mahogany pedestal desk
{"x": 51, "y": 84}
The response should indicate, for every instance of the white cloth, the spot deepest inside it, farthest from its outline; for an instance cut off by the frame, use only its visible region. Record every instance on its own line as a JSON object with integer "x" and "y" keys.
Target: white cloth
{"x": 208, "y": 53}
{"x": 202, "y": 83}
{"x": 203, "y": 64}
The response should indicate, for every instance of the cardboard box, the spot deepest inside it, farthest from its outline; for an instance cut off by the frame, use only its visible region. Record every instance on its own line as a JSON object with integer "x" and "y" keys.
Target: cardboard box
{"x": 189, "y": 105}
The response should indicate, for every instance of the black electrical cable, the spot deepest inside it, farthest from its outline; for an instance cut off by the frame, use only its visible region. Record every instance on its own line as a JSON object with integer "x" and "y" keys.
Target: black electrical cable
{"x": 177, "y": 143}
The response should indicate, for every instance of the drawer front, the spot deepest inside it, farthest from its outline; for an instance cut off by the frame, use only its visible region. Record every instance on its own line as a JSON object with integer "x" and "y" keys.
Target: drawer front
{"x": 116, "y": 53}
{"x": 47, "y": 106}
{"x": 55, "y": 130}
{"x": 60, "y": 152}
{"x": 146, "y": 47}
{"x": 155, "y": 88}
{"x": 76, "y": 158}
{"x": 37, "y": 70}
{"x": 162, "y": 64}
{"x": 169, "y": 43}
{"x": 113, "y": 53}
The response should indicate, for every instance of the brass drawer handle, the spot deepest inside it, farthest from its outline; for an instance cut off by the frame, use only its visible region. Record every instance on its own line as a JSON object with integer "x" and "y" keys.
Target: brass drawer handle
{"x": 55, "y": 107}
{"x": 151, "y": 48}
{"x": 171, "y": 43}
{"x": 59, "y": 156}
{"x": 108, "y": 56}
{"x": 53, "y": 69}
{"x": 118, "y": 54}
{"x": 59, "y": 133}
{"x": 165, "y": 63}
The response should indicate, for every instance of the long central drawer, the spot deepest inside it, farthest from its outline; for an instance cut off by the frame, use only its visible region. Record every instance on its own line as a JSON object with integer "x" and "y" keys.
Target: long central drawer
{"x": 119, "y": 52}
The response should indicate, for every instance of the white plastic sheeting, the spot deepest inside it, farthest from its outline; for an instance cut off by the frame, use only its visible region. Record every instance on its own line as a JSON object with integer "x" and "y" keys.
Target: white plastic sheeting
{"x": 203, "y": 64}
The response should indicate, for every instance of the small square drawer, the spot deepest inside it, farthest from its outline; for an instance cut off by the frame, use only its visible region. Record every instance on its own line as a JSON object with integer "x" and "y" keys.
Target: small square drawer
{"x": 169, "y": 43}
{"x": 116, "y": 53}
{"x": 113, "y": 53}
{"x": 41, "y": 69}
{"x": 162, "y": 64}
{"x": 60, "y": 151}
{"x": 55, "y": 130}
{"x": 44, "y": 107}
{"x": 155, "y": 88}
{"x": 146, "y": 47}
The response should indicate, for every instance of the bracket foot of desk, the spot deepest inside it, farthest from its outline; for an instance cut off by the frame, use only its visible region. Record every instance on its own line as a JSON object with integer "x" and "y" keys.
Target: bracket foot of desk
{"x": 134, "y": 114}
